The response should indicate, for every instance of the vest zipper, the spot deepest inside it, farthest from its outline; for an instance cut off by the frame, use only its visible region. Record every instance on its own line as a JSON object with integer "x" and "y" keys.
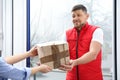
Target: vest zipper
{"x": 77, "y": 69}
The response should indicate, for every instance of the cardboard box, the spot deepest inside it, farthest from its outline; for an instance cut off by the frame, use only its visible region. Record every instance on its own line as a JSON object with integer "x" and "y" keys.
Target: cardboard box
{"x": 53, "y": 53}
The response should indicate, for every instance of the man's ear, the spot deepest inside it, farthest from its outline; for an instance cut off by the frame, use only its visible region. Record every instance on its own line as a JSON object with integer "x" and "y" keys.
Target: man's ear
{"x": 87, "y": 15}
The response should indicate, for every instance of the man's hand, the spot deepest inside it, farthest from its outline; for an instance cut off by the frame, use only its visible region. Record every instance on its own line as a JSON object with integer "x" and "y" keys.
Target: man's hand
{"x": 68, "y": 67}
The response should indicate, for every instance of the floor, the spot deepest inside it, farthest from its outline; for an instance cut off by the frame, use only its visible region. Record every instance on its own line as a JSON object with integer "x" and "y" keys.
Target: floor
{"x": 58, "y": 75}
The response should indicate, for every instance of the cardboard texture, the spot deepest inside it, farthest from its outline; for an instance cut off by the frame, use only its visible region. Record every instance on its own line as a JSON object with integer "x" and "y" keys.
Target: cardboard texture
{"x": 53, "y": 53}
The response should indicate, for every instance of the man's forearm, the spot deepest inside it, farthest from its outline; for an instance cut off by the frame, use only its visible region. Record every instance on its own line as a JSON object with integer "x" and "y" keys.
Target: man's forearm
{"x": 86, "y": 58}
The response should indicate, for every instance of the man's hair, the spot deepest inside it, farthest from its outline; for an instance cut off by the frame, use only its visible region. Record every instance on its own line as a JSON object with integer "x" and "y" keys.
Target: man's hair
{"x": 79, "y": 7}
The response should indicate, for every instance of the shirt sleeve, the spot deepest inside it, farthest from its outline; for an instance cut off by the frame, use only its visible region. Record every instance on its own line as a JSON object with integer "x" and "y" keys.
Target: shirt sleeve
{"x": 14, "y": 73}
{"x": 98, "y": 35}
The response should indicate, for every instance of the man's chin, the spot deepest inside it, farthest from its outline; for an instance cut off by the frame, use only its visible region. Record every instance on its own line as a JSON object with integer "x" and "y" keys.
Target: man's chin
{"x": 77, "y": 26}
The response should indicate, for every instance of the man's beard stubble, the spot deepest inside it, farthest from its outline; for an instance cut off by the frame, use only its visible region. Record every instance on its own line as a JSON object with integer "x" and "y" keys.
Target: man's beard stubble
{"x": 79, "y": 27}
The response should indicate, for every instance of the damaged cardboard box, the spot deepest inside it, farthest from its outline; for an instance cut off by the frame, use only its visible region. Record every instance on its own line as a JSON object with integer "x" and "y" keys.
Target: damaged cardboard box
{"x": 53, "y": 53}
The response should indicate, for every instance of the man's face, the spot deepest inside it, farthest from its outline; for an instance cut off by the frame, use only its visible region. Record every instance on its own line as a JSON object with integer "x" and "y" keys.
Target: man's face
{"x": 79, "y": 18}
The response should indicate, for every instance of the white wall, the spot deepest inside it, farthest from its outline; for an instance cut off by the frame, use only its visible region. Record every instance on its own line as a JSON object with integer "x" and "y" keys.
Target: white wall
{"x": 17, "y": 41}
{"x": 1, "y": 23}
{"x": 7, "y": 28}
{"x": 19, "y": 28}
{"x": 118, "y": 39}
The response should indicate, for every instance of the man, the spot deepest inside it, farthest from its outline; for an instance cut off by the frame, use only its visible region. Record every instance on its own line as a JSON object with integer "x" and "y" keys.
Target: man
{"x": 85, "y": 42}
{"x": 7, "y": 71}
